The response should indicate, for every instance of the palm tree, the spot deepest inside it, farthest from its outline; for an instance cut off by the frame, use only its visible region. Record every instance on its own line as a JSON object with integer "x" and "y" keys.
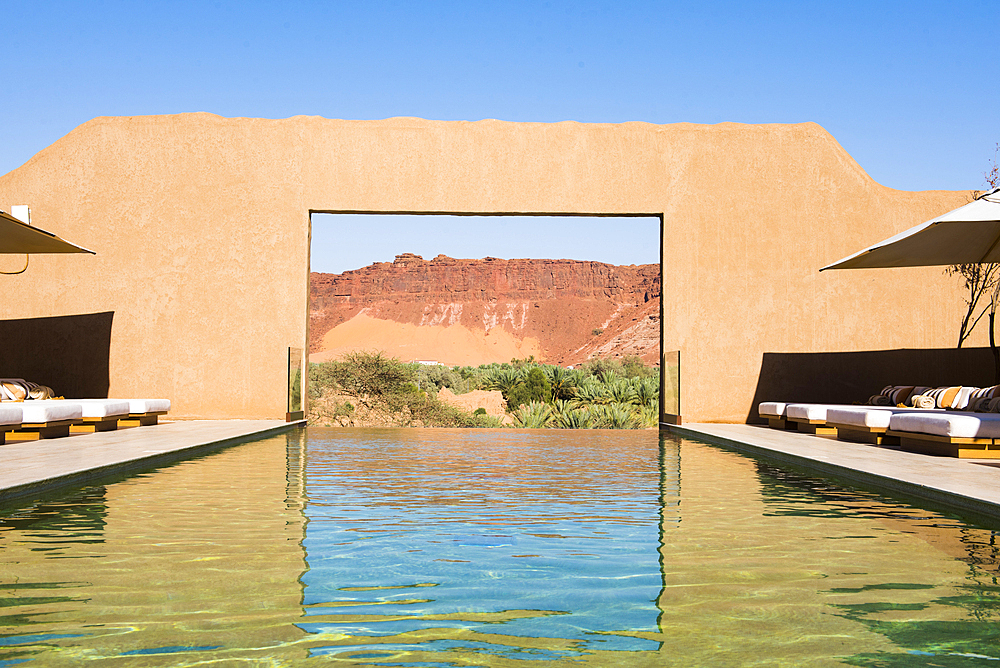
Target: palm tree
{"x": 622, "y": 392}
{"x": 647, "y": 391}
{"x": 503, "y": 378}
{"x": 574, "y": 419}
{"x": 563, "y": 382}
{"x": 592, "y": 392}
{"x": 535, "y": 415}
{"x": 615, "y": 416}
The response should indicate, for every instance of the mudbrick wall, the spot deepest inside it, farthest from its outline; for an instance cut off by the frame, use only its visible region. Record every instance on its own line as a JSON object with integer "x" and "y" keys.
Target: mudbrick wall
{"x": 559, "y": 302}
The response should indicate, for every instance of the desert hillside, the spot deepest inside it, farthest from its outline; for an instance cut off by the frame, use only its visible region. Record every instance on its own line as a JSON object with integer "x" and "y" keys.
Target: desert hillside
{"x": 474, "y": 312}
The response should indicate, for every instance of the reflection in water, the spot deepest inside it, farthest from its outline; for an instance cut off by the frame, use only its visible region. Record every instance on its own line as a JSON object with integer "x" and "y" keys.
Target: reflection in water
{"x": 523, "y": 537}
{"x": 458, "y": 547}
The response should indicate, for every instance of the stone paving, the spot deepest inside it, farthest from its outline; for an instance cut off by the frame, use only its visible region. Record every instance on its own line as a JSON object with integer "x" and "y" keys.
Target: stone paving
{"x": 30, "y": 468}
{"x": 967, "y": 485}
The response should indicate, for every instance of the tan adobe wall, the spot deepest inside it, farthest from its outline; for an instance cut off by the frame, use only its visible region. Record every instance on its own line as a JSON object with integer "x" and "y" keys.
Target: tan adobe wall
{"x": 201, "y": 225}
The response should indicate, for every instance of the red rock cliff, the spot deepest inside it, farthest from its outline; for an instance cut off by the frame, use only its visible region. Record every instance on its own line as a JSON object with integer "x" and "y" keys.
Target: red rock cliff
{"x": 562, "y": 303}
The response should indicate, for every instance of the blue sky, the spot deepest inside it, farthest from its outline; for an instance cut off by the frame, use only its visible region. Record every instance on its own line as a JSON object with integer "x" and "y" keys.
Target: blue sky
{"x": 908, "y": 88}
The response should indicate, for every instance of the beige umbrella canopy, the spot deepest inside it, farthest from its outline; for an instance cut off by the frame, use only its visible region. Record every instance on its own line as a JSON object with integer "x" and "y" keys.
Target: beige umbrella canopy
{"x": 970, "y": 234}
{"x": 17, "y": 237}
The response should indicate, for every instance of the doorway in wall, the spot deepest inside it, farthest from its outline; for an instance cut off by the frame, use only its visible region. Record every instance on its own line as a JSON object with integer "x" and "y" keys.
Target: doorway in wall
{"x": 459, "y": 290}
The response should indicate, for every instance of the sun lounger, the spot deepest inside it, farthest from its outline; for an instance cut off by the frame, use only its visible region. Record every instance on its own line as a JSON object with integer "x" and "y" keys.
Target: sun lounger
{"x": 10, "y": 419}
{"x": 811, "y": 418}
{"x": 774, "y": 413}
{"x": 100, "y": 414}
{"x": 145, "y": 411}
{"x": 863, "y": 424}
{"x": 46, "y": 419}
{"x": 965, "y": 435}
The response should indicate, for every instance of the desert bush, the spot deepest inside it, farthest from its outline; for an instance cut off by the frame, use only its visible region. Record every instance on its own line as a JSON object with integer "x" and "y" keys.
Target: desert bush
{"x": 439, "y": 377}
{"x": 364, "y": 374}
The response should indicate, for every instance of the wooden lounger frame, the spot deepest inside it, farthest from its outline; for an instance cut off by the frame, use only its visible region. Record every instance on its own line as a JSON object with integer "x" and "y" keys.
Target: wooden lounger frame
{"x": 33, "y": 431}
{"x": 949, "y": 446}
{"x": 4, "y": 428}
{"x": 775, "y": 422}
{"x": 141, "y": 419}
{"x": 816, "y": 427}
{"x": 855, "y": 433}
{"x": 90, "y": 425}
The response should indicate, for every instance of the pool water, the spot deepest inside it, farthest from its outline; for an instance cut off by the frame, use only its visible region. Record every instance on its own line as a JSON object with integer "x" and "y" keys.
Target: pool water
{"x": 503, "y": 548}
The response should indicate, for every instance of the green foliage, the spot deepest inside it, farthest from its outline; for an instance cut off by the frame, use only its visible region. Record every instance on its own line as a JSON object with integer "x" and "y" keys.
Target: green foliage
{"x": 592, "y": 391}
{"x": 365, "y": 374}
{"x": 600, "y": 394}
{"x": 534, "y": 415}
{"x": 620, "y": 391}
{"x": 535, "y": 388}
{"x": 479, "y": 411}
{"x": 503, "y": 379}
{"x": 562, "y": 382}
{"x": 647, "y": 391}
{"x": 614, "y": 416}
{"x": 387, "y": 387}
{"x": 438, "y": 377}
{"x": 597, "y": 331}
{"x": 578, "y": 418}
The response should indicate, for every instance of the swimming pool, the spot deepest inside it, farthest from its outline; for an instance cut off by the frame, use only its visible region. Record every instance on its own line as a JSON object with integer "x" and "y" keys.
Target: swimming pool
{"x": 469, "y": 547}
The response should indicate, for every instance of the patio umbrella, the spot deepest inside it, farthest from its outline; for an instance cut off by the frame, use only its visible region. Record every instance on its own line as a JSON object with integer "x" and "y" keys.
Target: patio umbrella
{"x": 969, "y": 234}
{"x": 20, "y": 238}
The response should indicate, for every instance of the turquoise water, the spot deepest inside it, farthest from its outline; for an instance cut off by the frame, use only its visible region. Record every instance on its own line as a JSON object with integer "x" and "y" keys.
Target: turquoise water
{"x": 506, "y": 548}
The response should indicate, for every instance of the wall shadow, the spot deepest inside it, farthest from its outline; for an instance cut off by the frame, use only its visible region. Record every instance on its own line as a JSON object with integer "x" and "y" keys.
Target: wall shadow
{"x": 852, "y": 377}
{"x": 69, "y": 353}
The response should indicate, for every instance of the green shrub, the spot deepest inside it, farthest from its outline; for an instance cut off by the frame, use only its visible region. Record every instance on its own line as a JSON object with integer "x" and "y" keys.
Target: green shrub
{"x": 535, "y": 388}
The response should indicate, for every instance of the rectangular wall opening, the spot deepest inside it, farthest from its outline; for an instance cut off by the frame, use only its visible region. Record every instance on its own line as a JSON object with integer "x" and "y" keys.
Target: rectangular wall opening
{"x": 467, "y": 290}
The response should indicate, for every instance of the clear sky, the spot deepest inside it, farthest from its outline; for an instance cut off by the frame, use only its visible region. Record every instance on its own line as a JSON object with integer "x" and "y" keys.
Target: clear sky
{"x": 908, "y": 88}
{"x": 341, "y": 242}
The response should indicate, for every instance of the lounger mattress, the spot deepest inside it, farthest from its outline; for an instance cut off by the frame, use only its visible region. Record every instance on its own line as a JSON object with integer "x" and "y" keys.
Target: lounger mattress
{"x": 10, "y": 414}
{"x": 872, "y": 417}
{"x": 942, "y": 424}
{"x": 860, "y": 417}
{"x": 811, "y": 412}
{"x": 39, "y": 412}
{"x": 137, "y": 406}
{"x": 103, "y": 408}
{"x": 772, "y": 409}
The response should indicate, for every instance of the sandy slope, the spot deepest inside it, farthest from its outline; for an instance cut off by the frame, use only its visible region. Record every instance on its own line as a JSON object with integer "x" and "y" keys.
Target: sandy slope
{"x": 451, "y": 345}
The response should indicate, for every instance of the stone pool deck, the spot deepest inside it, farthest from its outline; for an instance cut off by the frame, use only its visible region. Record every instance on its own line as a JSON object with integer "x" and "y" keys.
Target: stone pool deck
{"x": 33, "y": 468}
{"x": 965, "y": 485}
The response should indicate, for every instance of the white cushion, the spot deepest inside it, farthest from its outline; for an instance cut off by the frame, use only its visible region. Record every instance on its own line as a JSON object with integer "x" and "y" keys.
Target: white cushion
{"x": 874, "y": 417}
{"x": 148, "y": 405}
{"x": 812, "y": 412}
{"x": 50, "y": 410}
{"x": 102, "y": 408}
{"x": 771, "y": 409}
{"x": 963, "y": 425}
{"x": 10, "y": 414}
{"x": 877, "y": 418}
